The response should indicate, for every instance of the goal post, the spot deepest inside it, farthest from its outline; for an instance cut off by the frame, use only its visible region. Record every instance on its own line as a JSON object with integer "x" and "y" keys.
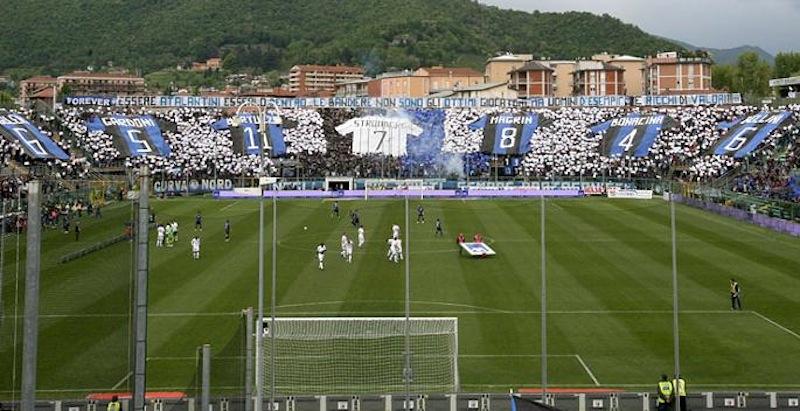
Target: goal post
{"x": 360, "y": 355}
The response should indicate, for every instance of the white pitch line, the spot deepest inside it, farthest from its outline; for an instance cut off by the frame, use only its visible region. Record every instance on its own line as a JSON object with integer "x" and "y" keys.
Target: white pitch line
{"x": 229, "y": 206}
{"x": 588, "y": 371}
{"x": 125, "y": 378}
{"x": 223, "y": 357}
{"x": 482, "y": 311}
{"x": 788, "y": 331}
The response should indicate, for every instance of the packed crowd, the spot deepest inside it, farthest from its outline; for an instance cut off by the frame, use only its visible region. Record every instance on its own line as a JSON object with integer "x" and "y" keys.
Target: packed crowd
{"x": 562, "y": 146}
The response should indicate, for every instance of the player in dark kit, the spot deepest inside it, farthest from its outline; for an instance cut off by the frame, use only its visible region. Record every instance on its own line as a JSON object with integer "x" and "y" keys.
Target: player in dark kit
{"x": 198, "y": 221}
{"x": 335, "y": 209}
{"x": 227, "y": 230}
{"x": 355, "y": 219}
{"x": 420, "y": 214}
{"x": 736, "y": 302}
{"x": 439, "y": 230}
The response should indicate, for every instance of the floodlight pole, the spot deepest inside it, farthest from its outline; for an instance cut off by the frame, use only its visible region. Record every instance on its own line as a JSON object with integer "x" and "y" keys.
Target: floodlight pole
{"x": 2, "y": 260}
{"x": 262, "y": 113}
{"x": 140, "y": 307}
{"x": 675, "y": 327}
{"x": 31, "y": 317}
{"x": 544, "y": 301}
{"x": 408, "y": 373}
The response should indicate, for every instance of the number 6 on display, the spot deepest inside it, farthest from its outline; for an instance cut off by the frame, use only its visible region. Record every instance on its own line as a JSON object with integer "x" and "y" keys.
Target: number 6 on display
{"x": 738, "y": 140}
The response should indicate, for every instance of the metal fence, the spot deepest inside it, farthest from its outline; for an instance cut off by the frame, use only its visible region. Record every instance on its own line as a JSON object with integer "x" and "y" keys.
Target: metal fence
{"x": 643, "y": 401}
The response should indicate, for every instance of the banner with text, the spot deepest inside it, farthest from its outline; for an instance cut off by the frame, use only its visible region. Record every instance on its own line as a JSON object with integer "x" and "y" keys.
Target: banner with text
{"x": 16, "y": 128}
{"x": 744, "y": 136}
{"x": 133, "y": 136}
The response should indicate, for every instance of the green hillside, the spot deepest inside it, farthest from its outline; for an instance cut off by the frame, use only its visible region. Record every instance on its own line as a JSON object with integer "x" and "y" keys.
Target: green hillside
{"x": 53, "y": 35}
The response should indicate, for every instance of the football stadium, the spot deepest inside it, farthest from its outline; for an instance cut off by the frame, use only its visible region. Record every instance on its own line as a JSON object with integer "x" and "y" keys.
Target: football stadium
{"x": 353, "y": 240}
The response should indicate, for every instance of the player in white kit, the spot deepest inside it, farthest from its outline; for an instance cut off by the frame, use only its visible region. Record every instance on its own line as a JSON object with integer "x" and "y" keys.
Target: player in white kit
{"x": 361, "y": 238}
{"x": 196, "y": 248}
{"x": 390, "y": 252}
{"x": 344, "y": 245}
{"x": 160, "y": 236}
{"x": 321, "y": 255}
{"x": 398, "y": 250}
{"x": 348, "y": 251}
{"x": 395, "y": 231}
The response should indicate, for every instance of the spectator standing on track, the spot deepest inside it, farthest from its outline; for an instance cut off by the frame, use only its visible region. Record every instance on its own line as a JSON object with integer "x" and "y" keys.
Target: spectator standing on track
{"x": 680, "y": 393}
{"x": 736, "y": 302}
{"x": 665, "y": 393}
{"x": 114, "y": 404}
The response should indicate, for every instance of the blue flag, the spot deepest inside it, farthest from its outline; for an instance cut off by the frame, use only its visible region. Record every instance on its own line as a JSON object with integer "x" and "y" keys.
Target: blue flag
{"x": 14, "y": 127}
{"x": 632, "y": 135}
{"x": 248, "y": 139}
{"x": 507, "y": 133}
{"x": 745, "y": 136}
{"x": 133, "y": 136}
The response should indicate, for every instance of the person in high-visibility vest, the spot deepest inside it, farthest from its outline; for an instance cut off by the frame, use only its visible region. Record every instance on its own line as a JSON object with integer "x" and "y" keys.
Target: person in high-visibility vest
{"x": 680, "y": 393}
{"x": 665, "y": 392}
{"x": 114, "y": 404}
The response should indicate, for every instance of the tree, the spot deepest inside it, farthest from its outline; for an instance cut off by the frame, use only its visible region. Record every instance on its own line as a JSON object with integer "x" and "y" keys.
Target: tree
{"x": 787, "y": 64}
{"x": 753, "y": 74}
{"x": 723, "y": 77}
{"x": 6, "y": 100}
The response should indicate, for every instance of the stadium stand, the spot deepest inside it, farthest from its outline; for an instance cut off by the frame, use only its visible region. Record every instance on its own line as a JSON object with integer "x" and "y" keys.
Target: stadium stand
{"x": 564, "y": 146}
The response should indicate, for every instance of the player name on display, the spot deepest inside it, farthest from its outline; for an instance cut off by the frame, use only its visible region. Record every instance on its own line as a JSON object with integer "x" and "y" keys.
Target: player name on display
{"x": 477, "y": 249}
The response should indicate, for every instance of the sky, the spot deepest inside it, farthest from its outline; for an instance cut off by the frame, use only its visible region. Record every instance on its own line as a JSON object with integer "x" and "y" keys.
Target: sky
{"x": 773, "y": 25}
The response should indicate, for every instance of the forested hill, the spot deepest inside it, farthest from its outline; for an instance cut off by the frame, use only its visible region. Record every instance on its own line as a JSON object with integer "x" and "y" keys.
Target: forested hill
{"x": 57, "y": 35}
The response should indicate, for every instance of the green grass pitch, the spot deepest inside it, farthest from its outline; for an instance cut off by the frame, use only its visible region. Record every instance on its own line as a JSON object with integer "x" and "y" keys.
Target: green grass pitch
{"x": 609, "y": 293}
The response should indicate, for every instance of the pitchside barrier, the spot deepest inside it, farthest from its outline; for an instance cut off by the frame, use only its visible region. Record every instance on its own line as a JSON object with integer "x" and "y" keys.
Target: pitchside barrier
{"x": 360, "y": 194}
{"x": 576, "y": 401}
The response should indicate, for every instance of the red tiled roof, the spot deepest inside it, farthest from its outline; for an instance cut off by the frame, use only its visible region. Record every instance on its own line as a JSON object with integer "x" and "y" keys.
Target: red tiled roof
{"x": 43, "y": 93}
{"x": 40, "y": 79}
{"x": 532, "y": 66}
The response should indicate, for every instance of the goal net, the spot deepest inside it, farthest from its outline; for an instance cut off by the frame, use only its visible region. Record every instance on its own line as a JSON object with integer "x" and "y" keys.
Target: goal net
{"x": 354, "y": 355}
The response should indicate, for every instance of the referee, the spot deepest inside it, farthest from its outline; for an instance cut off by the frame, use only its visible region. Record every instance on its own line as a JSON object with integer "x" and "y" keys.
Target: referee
{"x": 736, "y": 302}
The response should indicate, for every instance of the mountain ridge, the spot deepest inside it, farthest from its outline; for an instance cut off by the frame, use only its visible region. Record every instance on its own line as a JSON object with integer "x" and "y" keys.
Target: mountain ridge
{"x": 52, "y": 36}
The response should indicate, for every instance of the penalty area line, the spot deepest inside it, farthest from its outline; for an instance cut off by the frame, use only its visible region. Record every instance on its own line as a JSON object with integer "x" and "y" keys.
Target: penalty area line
{"x": 125, "y": 378}
{"x": 588, "y": 370}
{"x": 229, "y": 205}
{"x": 784, "y": 329}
